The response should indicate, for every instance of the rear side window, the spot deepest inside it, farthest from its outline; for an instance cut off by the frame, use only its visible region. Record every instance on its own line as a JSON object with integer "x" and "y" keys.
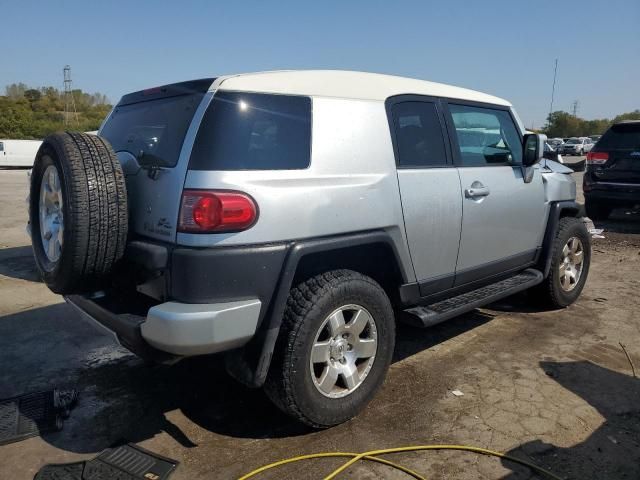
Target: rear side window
{"x": 419, "y": 136}
{"x": 486, "y": 136}
{"x": 152, "y": 130}
{"x": 1, "y": 147}
{"x": 621, "y": 136}
{"x": 254, "y": 131}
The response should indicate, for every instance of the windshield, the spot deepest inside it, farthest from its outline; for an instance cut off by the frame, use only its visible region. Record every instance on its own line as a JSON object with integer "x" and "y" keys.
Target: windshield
{"x": 621, "y": 136}
{"x": 573, "y": 141}
{"x": 153, "y": 130}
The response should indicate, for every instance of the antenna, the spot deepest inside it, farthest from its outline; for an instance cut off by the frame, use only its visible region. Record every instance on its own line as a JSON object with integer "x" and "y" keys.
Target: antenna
{"x": 69, "y": 101}
{"x": 553, "y": 89}
{"x": 575, "y": 107}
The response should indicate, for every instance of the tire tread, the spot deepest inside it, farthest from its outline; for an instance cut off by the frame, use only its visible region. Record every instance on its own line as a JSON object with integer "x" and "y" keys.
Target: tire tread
{"x": 96, "y": 210}
{"x": 302, "y": 300}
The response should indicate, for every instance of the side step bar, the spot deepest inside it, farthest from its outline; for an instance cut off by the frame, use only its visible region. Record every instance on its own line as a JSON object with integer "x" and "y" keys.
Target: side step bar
{"x": 428, "y": 315}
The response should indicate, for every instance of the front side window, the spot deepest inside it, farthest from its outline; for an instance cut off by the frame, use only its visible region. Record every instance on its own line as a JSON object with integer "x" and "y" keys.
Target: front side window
{"x": 254, "y": 131}
{"x": 486, "y": 136}
{"x": 418, "y": 135}
{"x": 1, "y": 147}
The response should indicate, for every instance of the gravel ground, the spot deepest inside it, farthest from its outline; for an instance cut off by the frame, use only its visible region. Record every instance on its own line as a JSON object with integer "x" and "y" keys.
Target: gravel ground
{"x": 553, "y": 387}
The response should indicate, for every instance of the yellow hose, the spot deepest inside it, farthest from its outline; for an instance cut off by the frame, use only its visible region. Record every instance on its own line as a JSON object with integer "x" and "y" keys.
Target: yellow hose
{"x": 372, "y": 456}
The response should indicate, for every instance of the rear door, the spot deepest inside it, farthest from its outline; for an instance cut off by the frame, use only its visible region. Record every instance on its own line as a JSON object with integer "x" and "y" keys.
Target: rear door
{"x": 429, "y": 189}
{"x": 622, "y": 144}
{"x": 502, "y": 216}
{"x": 152, "y": 132}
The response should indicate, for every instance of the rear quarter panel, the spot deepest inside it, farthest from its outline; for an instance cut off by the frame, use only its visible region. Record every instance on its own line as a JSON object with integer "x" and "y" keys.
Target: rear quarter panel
{"x": 350, "y": 185}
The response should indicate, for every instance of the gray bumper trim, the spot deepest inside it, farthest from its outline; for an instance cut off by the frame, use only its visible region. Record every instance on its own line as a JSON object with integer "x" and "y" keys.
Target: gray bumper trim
{"x": 196, "y": 329}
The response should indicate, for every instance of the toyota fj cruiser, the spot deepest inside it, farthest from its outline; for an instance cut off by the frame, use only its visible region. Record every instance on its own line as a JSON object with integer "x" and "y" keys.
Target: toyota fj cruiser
{"x": 283, "y": 217}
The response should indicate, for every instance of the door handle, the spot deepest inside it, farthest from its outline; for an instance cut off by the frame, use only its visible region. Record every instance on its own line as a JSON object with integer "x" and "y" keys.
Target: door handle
{"x": 473, "y": 192}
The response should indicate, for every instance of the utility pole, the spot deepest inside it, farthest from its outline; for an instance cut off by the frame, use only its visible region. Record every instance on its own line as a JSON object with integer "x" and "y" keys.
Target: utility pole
{"x": 575, "y": 107}
{"x": 553, "y": 88}
{"x": 69, "y": 101}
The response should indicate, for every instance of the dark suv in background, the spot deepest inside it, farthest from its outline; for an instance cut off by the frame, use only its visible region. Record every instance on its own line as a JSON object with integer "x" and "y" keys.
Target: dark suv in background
{"x": 612, "y": 175}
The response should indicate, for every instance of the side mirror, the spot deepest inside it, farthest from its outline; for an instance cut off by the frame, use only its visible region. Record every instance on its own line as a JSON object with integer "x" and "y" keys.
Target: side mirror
{"x": 533, "y": 149}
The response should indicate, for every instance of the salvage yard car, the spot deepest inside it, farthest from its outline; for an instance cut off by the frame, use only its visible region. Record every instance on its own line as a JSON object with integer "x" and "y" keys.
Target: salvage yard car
{"x": 612, "y": 176}
{"x": 18, "y": 153}
{"x": 289, "y": 218}
{"x": 576, "y": 146}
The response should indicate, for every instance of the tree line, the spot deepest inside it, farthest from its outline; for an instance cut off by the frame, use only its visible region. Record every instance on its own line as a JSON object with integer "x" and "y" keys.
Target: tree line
{"x": 562, "y": 124}
{"x": 33, "y": 113}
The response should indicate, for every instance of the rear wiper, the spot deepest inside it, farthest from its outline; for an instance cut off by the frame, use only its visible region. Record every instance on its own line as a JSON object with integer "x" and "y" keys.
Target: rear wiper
{"x": 153, "y": 169}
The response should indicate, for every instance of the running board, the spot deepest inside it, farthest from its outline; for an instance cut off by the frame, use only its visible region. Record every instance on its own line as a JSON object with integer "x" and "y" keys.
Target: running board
{"x": 428, "y": 315}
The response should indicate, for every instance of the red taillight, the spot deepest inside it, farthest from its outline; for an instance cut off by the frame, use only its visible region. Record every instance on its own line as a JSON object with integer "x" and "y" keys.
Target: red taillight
{"x": 597, "y": 158}
{"x": 207, "y": 211}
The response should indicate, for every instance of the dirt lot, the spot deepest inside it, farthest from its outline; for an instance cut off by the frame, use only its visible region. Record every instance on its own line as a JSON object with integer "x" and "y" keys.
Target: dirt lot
{"x": 553, "y": 387}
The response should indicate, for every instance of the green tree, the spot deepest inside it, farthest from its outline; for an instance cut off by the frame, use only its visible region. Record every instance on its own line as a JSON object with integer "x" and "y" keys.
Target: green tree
{"x": 33, "y": 113}
{"x": 32, "y": 95}
{"x": 563, "y": 124}
{"x": 15, "y": 90}
{"x": 635, "y": 115}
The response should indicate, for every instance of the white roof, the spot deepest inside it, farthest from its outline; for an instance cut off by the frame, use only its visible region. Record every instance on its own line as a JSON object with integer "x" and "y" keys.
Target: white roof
{"x": 346, "y": 84}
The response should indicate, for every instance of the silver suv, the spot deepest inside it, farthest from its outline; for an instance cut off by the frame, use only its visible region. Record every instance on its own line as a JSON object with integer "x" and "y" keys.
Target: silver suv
{"x": 289, "y": 218}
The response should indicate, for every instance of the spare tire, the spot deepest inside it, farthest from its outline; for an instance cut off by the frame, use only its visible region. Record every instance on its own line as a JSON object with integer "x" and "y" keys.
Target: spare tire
{"x": 78, "y": 211}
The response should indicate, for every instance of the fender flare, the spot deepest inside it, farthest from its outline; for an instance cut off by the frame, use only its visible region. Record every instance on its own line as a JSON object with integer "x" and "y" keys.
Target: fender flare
{"x": 557, "y": 210}
{"x": 250, "y": 364}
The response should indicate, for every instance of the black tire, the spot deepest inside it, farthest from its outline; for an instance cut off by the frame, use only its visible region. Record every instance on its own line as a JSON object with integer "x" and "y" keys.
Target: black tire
{"x": 289, "y": 383}
{"x": 94, "y": 209}
{"x": 550, "y": 291}
{"x": 597, "y": 210}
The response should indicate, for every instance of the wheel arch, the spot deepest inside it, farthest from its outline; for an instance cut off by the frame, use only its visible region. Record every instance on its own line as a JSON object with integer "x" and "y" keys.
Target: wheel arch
{"x": 557, "y": 210}
{"x": 371, "y": 253}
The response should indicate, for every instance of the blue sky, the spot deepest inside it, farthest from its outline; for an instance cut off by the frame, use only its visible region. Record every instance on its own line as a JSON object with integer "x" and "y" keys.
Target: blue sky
{"x": 503, "y": 47}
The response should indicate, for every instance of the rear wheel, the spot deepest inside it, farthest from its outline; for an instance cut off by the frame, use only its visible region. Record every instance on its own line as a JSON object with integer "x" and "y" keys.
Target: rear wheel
{"x": 597, "y": 209}
{"x": 77, "y": 211}
{"x": 334, "y": 348}
{"x": 571, "y": 258}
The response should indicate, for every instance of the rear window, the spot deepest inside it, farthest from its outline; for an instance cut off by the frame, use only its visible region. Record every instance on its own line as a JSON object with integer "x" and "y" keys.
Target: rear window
{"x": 153, "y": 130}
{"x": 621, "y": 136}
{"x": 254, "y": 131}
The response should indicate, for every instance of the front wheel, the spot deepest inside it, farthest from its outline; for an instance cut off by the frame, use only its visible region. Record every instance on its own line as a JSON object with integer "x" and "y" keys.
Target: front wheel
{"x": 334, "y": 348}
{"x": 571, "y": 258}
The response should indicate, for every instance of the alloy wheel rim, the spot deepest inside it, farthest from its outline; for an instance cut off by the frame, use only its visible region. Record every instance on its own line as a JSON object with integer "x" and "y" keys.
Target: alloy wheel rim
{"x": 343, "y": 351}
{"x": 51, "y": 214}
{"x": 571, "y": 264}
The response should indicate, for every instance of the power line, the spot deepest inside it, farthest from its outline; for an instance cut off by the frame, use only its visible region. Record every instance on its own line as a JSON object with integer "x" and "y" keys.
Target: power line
{"x": 69, "y": 101}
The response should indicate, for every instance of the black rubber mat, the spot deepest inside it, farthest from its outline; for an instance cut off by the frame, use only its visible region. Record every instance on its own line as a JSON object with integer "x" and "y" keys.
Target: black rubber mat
{"x": 127, "y": 462}
{"x": 28, "y": 415}
{"x": 66, "y": 471}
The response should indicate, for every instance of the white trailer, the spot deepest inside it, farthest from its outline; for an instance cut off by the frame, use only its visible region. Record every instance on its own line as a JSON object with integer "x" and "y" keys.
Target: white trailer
{"x": 18, "y": 153}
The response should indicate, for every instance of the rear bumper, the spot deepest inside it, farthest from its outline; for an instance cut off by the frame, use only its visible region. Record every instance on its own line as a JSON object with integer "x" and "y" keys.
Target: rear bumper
{"x": 174, "y": 301}
{"x": 621, "y": 194}
{"x": 171, "y": 329}
{"x": 196, "y": 329}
